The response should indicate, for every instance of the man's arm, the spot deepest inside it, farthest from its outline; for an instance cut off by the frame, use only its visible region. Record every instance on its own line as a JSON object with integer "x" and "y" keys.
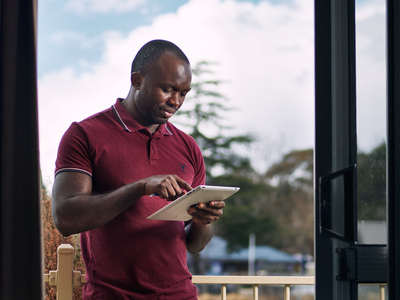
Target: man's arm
{"x": 75, "y": 209}
{"x": 200, "y": 230}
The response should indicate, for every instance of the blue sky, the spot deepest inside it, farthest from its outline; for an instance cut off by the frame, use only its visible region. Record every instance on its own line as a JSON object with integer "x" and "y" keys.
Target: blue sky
{"x": 264, "y": 50}
{"x": 64, "y": 25}
{"x": 62, "y": 28}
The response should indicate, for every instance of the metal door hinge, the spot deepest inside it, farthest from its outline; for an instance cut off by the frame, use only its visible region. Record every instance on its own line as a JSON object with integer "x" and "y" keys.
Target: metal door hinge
{"x": 347, "y": 260}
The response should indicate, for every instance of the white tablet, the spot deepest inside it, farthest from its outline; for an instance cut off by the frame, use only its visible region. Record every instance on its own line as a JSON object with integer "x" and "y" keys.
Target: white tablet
{"x": 177, "y": 209}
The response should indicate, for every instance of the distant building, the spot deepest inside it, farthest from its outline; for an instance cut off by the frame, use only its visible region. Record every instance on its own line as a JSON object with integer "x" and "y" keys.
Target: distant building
{"x": 267, "y": 260}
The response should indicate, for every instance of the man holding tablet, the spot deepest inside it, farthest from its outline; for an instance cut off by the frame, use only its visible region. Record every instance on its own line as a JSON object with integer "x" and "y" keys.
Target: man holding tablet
{"x": 107, "y": 167}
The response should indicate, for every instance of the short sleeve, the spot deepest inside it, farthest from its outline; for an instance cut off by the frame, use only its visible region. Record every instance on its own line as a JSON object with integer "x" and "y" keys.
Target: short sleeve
{"x": 74, "y": 151}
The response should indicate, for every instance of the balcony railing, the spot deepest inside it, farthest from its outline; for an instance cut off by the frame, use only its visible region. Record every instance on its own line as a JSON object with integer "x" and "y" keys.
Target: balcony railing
{"x": 65, "y": 279}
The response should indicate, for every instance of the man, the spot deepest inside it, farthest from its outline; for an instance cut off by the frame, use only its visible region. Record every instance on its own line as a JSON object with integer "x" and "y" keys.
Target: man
{"x": 108, "y": 167}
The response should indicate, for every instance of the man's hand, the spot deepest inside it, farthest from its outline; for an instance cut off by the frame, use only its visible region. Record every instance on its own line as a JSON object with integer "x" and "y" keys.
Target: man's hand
{"x": 206, "y": 213}
{"x": 167, "y": 187}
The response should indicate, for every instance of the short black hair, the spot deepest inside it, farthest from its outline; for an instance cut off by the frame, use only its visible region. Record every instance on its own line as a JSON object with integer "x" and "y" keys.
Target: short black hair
{"x": 151, "y": 52}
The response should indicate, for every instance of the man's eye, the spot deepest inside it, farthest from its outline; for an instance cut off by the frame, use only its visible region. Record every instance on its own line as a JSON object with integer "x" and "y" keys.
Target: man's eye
{"x": 166, "y": 90}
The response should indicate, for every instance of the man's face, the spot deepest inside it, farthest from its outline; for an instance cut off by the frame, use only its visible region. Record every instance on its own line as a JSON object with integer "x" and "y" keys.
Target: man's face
{"x": 163, "y": 90}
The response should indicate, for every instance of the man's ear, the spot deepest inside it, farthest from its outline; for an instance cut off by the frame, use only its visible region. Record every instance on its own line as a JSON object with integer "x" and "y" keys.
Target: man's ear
{"x": 136, "y": 80}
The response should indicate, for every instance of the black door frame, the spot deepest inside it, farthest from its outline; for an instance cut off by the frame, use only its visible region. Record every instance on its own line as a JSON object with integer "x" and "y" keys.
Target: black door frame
{"x": 340, "y": 262}
{"x": 393, "y": 146}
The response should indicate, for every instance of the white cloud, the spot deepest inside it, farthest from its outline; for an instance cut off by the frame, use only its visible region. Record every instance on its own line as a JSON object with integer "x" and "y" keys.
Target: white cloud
{"x": 102, "y": 6}
{"x": 82, "y": 40}
{"x": 265, "y": 52}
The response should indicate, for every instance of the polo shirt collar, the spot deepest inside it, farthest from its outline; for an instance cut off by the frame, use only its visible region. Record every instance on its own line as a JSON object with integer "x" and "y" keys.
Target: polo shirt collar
{"x": 128, "y": 122}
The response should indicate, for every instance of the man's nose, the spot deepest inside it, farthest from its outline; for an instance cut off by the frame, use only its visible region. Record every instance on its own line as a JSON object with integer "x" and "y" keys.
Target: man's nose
{"x": 175, "y": 99}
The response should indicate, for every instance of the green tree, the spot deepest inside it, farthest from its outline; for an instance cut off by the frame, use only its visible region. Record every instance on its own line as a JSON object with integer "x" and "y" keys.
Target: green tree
{"x": 203, "y": 115}
{"x": 278, "y": 206}
{"x": 246, "y": 213}
{"x": 292, "y": 201}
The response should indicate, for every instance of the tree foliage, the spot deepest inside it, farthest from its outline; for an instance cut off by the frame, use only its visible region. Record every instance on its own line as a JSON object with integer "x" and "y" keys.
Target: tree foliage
{"x": 277, "y": 207}
{"x": 260, "y": 208}
{"x": 245, "y": 213}
{"x": 203, "y": 115}
{"x": 292, "y": 200}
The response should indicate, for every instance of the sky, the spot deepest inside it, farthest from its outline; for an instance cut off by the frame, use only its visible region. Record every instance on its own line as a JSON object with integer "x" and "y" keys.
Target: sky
{"x": 263, "y": 51}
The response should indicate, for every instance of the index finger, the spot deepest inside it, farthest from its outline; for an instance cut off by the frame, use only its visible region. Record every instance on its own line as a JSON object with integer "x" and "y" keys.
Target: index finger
{"x": 180, "y": 186}
{"x": 183, "y": 184}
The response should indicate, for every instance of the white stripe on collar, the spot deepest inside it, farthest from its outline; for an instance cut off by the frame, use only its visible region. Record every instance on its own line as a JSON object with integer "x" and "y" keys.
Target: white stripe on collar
{"x": 120, "y": 121}
{"x": 166, "y": 127}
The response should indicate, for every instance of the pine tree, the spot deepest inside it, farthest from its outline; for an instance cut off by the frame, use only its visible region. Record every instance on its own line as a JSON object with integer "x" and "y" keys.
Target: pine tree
{"x": 203, "y": 115}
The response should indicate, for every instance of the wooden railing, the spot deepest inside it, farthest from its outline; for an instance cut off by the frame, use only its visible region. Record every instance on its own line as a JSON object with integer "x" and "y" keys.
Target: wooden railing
{"x": 65, "y": 278}
{"x": 255, "y": 281}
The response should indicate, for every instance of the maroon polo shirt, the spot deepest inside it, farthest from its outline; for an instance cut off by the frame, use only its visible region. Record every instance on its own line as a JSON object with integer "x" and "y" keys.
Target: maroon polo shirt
{"x": 132, "y": 257}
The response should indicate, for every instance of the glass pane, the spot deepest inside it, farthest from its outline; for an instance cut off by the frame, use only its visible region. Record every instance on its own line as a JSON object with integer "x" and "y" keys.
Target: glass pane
{"x": 370, "y": 292}
{"x": 371, "y": 121}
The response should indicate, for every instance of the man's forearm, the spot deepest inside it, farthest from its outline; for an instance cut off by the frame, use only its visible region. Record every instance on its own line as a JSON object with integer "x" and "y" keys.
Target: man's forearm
{"x": 198, "y": 237}
{"x": 77, "y": 209}
{"x": 80, "y": 213}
